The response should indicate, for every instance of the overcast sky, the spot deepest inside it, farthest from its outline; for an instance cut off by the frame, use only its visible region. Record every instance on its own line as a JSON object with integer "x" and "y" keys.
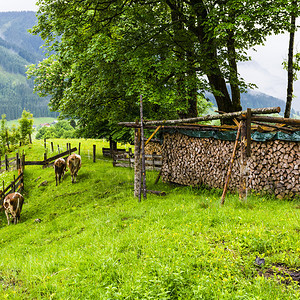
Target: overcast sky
{"x": 265, "y": 69}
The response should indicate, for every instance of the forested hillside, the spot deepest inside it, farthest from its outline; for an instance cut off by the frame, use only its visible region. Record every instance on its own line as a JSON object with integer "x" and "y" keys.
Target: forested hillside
{"x": 19, "y": 48}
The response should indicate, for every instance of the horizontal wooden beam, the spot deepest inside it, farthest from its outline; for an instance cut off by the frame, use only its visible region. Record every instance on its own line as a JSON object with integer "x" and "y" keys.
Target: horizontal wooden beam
{"x": 287, "y": 121}
{"x": 267, "y": 110}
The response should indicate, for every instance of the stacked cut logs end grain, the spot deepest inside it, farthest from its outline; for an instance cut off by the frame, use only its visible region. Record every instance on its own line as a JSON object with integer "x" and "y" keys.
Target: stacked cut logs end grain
{"x": 273, "y": 166}
{"x": 153, "y": 148}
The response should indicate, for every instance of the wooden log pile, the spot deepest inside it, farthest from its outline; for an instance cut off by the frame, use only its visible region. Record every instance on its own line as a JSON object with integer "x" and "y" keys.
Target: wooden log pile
{"x": 153, "y": 147}
{"x": 272, "y": 168}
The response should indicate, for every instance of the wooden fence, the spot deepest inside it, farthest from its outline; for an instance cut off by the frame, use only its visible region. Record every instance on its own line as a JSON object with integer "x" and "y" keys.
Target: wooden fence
{"x": 8, "y": 164}
{"x": 107, "y": 152}
{"x": 152, "y": 162}
{"x": 47, "y": 161}
{"x": 17, "y": 185}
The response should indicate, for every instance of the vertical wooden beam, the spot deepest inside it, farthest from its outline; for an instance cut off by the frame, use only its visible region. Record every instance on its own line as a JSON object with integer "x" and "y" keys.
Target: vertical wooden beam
{"x": 23, "y": 161}
{"x": 137, "y": 163}
{"x": 45, "y": 144}
{"x": 143, "y": 149}
{"x": 79, "y": 145}
{"x": 52, "y": 147}
{"x": 17, "y": 161}
{"x": 243, "y": 164}
{"x": 248, "y": 139}
{"x": 6, "y": 163}
{"x": 94, "y": 153}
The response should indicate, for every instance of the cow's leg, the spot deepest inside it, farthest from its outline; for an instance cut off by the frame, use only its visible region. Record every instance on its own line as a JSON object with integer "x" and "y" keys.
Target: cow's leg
{"x": 7, "y": 216}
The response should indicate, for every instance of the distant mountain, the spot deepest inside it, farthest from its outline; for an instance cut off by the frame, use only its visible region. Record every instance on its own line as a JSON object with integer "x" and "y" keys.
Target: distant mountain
{"x": 19, "y": 48}
{"x": 256, "y": 99}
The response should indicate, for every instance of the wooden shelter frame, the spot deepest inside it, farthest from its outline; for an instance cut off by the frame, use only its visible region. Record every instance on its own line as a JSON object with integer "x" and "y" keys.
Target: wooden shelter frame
{"x": 243, "y": 121}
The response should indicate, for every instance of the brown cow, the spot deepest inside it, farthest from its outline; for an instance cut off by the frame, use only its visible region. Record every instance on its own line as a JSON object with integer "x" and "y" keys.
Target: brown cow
{"x": 74, "y": 164}
{"x": 12, "y": 205}
{"x": 60, "y": 168}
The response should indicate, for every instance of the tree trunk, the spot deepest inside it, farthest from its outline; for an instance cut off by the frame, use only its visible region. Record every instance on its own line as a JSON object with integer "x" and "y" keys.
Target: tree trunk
{"x": 234, "y": 85}
{"x": 289, "y": 97}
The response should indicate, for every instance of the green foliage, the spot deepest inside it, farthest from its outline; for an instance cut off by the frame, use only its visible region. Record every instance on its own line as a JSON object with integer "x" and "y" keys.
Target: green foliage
{"x": 296, "y": 65}
{"x": 61, "y": 129}
{"x": 96, "y": 241}
{"x": 25, "y": 123}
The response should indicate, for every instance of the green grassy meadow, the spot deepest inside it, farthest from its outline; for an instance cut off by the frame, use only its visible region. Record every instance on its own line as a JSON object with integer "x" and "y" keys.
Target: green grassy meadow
{"x": 96, "y": 241}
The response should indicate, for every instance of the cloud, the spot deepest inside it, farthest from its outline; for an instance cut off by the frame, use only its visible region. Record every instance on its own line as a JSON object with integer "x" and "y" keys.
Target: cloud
{"x": 18, "y": 5}
{"x": 266, "y": 70}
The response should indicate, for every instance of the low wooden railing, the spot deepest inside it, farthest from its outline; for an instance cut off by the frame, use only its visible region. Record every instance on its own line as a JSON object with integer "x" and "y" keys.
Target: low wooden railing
{"x": 152, "y": 162}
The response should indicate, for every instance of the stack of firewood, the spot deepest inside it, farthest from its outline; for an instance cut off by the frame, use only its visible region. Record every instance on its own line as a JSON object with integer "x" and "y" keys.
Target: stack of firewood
{"x": 153, "y": 148}
{"x": 272, "y": 168}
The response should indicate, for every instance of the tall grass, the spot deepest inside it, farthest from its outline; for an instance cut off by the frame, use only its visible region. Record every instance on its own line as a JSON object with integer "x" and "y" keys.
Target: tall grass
{"x": 95, "y": 241}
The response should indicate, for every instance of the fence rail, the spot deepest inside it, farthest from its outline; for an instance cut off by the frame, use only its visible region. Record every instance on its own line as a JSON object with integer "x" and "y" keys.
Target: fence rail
{"x": 152, "y": 162}
{"x": 17, "y": 185}
{"x": 46, "y": 160}
{"x": 9, "y": 164}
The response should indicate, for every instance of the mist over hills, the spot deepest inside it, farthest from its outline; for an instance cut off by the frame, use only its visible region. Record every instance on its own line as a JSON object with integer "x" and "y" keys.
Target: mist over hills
{"x": 256, "y": 99}
{"x": 19, "y": 48}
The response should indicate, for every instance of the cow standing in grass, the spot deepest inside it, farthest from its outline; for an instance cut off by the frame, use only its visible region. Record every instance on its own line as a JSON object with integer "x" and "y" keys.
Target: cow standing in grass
{"x": 74, "y": 164}
{"x": 12, "y": 205}
{"x": 60, "y": 168}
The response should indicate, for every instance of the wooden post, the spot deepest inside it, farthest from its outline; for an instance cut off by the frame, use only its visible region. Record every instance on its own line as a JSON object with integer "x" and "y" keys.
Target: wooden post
{"x": 45, "y": 159}
{"x": 243, "y": 164}
{"x": 143, "y": 149}
{"x": 30, "y": 139}
{"x": 52, "y": 147}
{"x": 137, "y": 163}
{"x": 231, "y": 164}
{"x": 45, "y": 144}
{"x": 17, "y": 161}
{"x": 20, "y": 172}
{"x": 79, "y": 148}
{"x": 58, "y": 149}
{"x": 6, "y": 163}
{"x": 248, "y": 132}
{"x": 14, "y": 183}
{"x": 0, "y": 162}
{"x": 94, "y": 153}
{"x": 23, "y": 161}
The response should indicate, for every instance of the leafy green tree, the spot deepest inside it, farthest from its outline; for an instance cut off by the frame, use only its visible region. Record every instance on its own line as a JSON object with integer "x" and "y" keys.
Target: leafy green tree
{"x": 15, "y": 135}
{"x": 26, "y": 128}
{"x": 4, "y": 135}
{"x": 62, "y": 129}
{"x": 105, "y": 54}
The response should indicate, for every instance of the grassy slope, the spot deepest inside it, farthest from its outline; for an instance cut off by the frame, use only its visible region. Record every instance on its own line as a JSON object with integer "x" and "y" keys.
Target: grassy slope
{"x": 96, "y": 241}
{"x": 36, "y": 121}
